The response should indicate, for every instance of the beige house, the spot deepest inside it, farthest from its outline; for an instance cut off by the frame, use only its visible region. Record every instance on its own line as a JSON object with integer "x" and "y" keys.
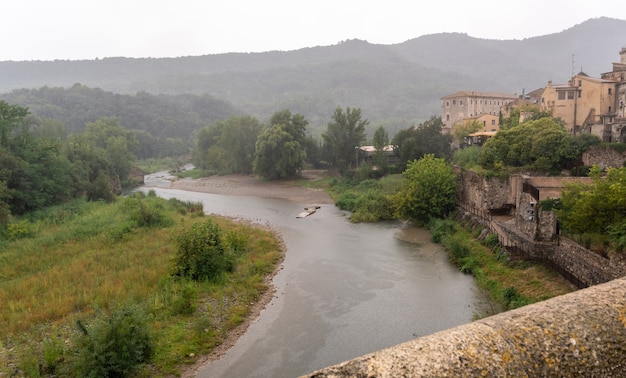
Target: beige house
{"x": 468, "y": 104}
{"x": 591, "y": 105}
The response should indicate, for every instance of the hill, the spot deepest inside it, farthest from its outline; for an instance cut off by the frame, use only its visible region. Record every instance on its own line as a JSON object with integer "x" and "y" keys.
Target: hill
{"x": 395, "y": 85}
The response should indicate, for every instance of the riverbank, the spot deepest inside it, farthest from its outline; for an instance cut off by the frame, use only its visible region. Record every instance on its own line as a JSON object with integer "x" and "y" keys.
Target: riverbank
{"x": 247, "y": 185}
{"x": 250, "y": 185}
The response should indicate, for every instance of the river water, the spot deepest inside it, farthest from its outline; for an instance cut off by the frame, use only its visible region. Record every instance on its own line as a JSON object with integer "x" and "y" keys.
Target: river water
{"x": 345, "y": 289}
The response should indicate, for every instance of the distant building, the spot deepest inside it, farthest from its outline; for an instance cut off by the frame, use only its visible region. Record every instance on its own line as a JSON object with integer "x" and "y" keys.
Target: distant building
{"x": 455, "y": 108}
{"x": 591, "y": 105}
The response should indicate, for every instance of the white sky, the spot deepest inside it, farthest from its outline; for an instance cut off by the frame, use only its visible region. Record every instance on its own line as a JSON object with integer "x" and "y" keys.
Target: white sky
{"x": 89, "y": 29}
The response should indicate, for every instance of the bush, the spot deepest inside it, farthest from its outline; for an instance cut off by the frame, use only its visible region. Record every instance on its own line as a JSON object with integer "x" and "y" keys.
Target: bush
{"x": 439, "y": 228}
{"x": 457, "y": 247}
{"x": 201, "y": 252}
{"x": 372, "y": 206}
{"x": 113, "y": 346}
{"x": 347, "y": 201}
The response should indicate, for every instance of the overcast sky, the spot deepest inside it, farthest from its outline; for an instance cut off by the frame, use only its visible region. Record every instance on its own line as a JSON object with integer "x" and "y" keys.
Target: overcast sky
{"x": 89, "y": 29}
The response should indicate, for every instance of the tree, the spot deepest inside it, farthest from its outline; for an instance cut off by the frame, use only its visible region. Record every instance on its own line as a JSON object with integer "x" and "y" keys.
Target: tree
{"x": 10, "y": 117}
{"x": 227, "y": 146}
{"x": 380, "y": 141}
{"x": 426, "y": 138}
{"x": 541, "y": 144}
{"x": 428, "y": 190}
{"x": 595, "y": 208}
{"x": 280, "y": 149}
{"x": 343, "y": 134}
{"x": 461, "y": 131}
{"x": 278, "y": 155}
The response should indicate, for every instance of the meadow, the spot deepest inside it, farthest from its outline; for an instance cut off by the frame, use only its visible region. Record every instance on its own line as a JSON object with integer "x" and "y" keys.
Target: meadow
{"x": 69, "y": 268}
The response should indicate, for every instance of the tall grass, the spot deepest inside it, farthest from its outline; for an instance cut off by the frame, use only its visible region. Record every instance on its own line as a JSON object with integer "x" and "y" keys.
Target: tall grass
{"x": 88, "y": 257}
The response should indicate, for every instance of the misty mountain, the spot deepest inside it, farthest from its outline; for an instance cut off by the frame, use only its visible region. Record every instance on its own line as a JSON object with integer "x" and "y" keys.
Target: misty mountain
{"x": 394, "y": 85}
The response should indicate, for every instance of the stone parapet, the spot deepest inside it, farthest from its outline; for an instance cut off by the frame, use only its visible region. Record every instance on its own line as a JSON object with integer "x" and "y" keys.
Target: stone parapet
{"x": 581, "y": 334}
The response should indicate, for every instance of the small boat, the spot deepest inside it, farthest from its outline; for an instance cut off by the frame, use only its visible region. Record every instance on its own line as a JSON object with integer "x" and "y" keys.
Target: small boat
{"x": 308, "y": 211}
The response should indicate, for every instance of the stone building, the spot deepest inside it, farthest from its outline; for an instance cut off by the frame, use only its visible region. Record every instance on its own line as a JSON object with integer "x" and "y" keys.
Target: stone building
{"x": 457, "y": 107}
{"x": 591, "y": 105}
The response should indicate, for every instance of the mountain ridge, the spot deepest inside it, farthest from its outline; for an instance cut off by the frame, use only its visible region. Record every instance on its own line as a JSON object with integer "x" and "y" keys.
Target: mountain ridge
{"x": 395, "y": 85}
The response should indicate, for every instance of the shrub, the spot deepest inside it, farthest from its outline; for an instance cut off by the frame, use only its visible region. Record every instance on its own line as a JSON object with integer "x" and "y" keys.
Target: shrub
{"x": 347, "y": 201}
{"x": 439, "y": 228}
{"x": 113, "y": 346}
{"x": 201, "y": 252}
{"x": 372, "y": 206}
{"x": 457, "y": 247}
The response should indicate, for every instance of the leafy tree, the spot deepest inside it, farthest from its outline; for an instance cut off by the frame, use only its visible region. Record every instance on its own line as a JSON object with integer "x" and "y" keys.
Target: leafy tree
{"x": 595, "y": 208}
{"x": 278, "y": 155}
{"x": 101, "y": 157}
{"x": 426, "y": 138}
{"x": 33, "y": 172}
{"x": 541, "y": 144}
{"x": 428, "y": 190}
{"x": 380, "y": 141}
{"x": 280, "y": 149}
{"x": 227, "y": 146}
{"x": 343, "y": 134}
{"x": 531, "y": 113}
{"x": 10, "y": 118}
{"x": 461, "y": 131}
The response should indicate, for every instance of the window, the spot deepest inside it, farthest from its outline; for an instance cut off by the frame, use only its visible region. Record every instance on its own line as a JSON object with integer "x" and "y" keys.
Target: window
{"x": 460, "y": 102}
{"x": 453, "y": 102}
{"x": 561, "y": 95}
{"x": 580, "y": 93}
{"x": 580, "y": 83}
{"x": 610, "y": 91}
{"x": 447, "y": 117}
{"x": 609, "y": 109}
{"x": 493, "y": 122}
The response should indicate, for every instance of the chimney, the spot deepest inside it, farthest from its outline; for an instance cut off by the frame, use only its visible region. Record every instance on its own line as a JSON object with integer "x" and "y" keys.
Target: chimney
{"x": 622, "y": 56}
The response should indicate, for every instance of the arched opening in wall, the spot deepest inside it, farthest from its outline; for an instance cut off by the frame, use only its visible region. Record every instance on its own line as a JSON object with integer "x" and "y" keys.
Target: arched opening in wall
{"x": 622, "y": 135}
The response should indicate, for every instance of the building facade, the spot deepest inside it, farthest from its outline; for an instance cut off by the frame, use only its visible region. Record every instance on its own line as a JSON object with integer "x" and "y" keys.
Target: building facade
{"x": 455, "y": 108}
{"x": 591, "y": 105}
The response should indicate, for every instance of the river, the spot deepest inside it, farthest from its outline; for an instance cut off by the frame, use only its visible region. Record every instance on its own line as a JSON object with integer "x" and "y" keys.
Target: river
{"x": 344, "y": 290}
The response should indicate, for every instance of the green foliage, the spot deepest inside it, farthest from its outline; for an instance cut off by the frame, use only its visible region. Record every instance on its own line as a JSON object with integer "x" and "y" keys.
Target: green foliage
{"x": 415, "y": 142}
{"x": 439, "y": 228}
{"x": 147, "y": 213}
{"x": 466, "y": 157}
{"x": 513, "y": 299}
{"x": 18, "y": 230}
{"x": 227, "y": 146}
{"x": 461, "y": 131}
{"x": 428, "y": 191}
{"x": 201, "y": 253}
{"x": 113, "y": 346}
{"x": 617, "y": 232}
{"x": 542, "y": 144}
{"x": 372, "y": 206}
{"x": 598, "y": 207}
{"x": 280, "y": 149}
{"x": 343, "y": 134}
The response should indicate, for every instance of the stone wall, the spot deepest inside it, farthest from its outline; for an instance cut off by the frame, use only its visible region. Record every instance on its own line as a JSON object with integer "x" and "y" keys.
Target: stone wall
{"x": 604, "y": 157}
{"x": 581, "y": 334}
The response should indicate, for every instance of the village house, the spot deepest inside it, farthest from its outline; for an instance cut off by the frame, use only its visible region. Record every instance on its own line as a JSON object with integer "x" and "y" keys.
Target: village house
{"x": 591, "y": 105}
